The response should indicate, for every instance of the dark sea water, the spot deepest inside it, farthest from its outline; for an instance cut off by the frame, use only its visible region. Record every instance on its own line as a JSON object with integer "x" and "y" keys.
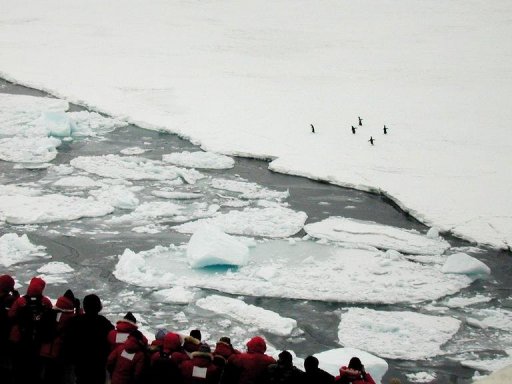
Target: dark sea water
{"x": 94, "y": 255}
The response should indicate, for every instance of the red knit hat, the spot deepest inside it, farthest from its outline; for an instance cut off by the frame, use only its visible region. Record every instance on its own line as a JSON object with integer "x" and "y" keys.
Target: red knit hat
{"x": 257, "y": 344}
{"x": 36, "y": 287}
{"x": 65, "y": 304}
{"x": 6, "y": 283}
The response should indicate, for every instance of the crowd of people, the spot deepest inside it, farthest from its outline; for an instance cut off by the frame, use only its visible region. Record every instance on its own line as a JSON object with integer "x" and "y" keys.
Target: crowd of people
{"x": 73, "y": 343}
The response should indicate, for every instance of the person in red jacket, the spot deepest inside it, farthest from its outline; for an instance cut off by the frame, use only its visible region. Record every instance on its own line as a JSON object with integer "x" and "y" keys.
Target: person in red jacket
{"x": 354, "y": 373}
{"x": 223, "y": 350}
{"x": 118, "y": 336}
{"x": 200, "y": 369}
{"x": 57, "y": 369}
{"x": 190, "y": 345}
{"x": 25, "y": 314}
{"x": 126, "y": 363}
{"x": 249, "y": 367}
{"x": 164, "y": 369}
{"x": 8, "y": 295}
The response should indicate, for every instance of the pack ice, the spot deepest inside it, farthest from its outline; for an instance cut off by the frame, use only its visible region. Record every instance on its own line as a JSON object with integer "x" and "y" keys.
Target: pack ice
{"x": 17, "y": 249}
{"x": 377, "y": 235}
{"x": 297, "y": 270}
{"x": 199, "y": 159}
{"x": 396, "y": 334}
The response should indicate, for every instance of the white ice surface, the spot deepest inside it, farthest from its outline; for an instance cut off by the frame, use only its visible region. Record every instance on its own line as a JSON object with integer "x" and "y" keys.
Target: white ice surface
{"x": 269, "y": 222}
{"x": 175, "y": 295}
{"x": 176, "y": 195}
{"x": 460, "y": 302}
{"x": 497, "y": 318}
{"x": 298, "y": 270}
{"x": 249, "y": 77}
{"x": 248, "y": 315}
{"x": 332, "y": 360}
{"x": 55, "y": 268}
{"x": 377, "y": 235}
{"x": 462, "y": 263}
{"x": 29, "y": 149}
{"x": 119, "y": 196}
{"x": 488, "y": 365}
{"x": 57, "y": 124}
{"x": 248, "y": 190}
{"x": 76, "y": 182}
{"x": 199, "y": 159}
{"x": 16, "y": 249}
{"x": 421, "y": 377}
{"x": 92, "y": 124}
{"x": 396, "y": 334}
{"x": 503, "y": 376}
{"x": 132, "y": 151}
{"x": 210, "y": 246}
{"x": 49, "y": 208}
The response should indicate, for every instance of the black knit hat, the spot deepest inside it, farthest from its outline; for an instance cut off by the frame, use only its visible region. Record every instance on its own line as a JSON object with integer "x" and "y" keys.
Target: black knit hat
{"x": 205, "y": 348}
{"x": 196, "y": 334}
{"x": 92, "y": 304}
{"x": 69, "y": 295}
{"x": 225, "y": 339}
{"x": 355, "y": 363}
{"x": 129, "y": 316}
{"x": 286, "y": 358}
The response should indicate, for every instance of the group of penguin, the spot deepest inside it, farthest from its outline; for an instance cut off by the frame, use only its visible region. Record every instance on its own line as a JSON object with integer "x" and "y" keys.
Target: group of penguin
{"x": 371, "y": 141}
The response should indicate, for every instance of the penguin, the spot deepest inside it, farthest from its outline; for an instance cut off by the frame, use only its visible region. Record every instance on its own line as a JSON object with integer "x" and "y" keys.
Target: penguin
{"x": 371, "y": 140}
{"x": 312, "y": 128}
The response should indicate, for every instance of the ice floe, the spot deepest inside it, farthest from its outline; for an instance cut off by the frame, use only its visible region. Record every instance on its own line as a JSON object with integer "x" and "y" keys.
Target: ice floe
{"x": 396, "y": 334}
{"x": 503, "y": 376}
{"x": 49, "y": 208}
{"x": 133, "y": 168}
{"x": 497, "y": 318}
{"x": 302, "y": 270}
{"x": 177, "y": 195}
{"x": 119, "y": 196}
{"x": 133, "y": 151}
{"x": 377, "y": 235}
{"x": 462, "y": 263}
{"x": 56, "y": 267}
{"x": 210, "y": 246}
{"x": 92, "y": 124}
{"x": 421, "y": 377}
{"x": 76, "y": 182}
{"x": 268, "y": 222}
{"x": 175, "y": 295}
{"x": 29, "y": 149}
{"x": 248, "y": 190}
{"x": 249, "y": 315}
{"x": 199, "y": 159}
{"x": 16, "y": 249}
{"x": 489, "y": 365}
{"x": 57, "y": 124}
{"x": 461, "y": 302}
{"x": 333, "y": 359}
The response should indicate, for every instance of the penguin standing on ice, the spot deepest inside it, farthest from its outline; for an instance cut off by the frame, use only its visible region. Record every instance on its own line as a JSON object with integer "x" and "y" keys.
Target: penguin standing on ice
{"x": 360, "y": 121}
{"x": 385, "y": 129}
{"x": 312, "y": 128}
{"x": 353, "y": 130}
{"x": 371, "y": 140}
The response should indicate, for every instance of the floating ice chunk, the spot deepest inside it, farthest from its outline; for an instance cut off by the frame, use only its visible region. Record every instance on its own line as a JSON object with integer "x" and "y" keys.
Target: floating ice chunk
{"x": 133, "y": 151}
{"x": 18, "y": 114}
{"x": 61, "y": 169}
{"x": 176, "y": 195}
{"x": 16, "y": 249}
{"x": 433, "y": 233}
{"x": 396, "y": 335}
{"x": 29, "y": 149}
{"x": 247, "y": 314}
{"x": 32, "y": 166}
{"x": 125, "y": 167}
{"x": 118, "y": 196}
{"x": 267, "y": 222}
{"x": 377, "y": 235}
{"x": 76, "y": 182}
{"x": 421, "y": 377}
{"x": 150, "y": 228}
{"x": 279, "y": 269}
{"x": 493, "y": 318}
{"x": 55, "y": 268}
{"x": 56, "y": 123}
{"x": 332, "y": 360}
{"x": 15, "y": 190}
{"x": 210, "y": 246}
{"x": 49, "y": 208}
{"x": 92, "y": 124}
{"x": 488, "y": 365}
{"x": 462, "y": 263}
{"x": 460, "y": 302}
{"x": 200, "y": 159}
{"x": 503, "y": 376}
{"x": 175, "y": 295}
{"x": 248, "y": 190}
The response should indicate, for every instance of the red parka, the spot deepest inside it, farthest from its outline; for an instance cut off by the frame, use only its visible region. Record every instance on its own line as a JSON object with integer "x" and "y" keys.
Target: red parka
{"x": 200, "y": 369}
{"x": 65, "y": 311}
{"x": 126, "y": 363}
{"x": 356, "y": 377}
{"x": 118, "y": 336}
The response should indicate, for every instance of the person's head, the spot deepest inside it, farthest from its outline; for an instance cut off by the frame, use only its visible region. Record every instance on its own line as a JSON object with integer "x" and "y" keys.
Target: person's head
{"x": 196, "y": 334}
{"x": 256, "y": 345}
{"x": 36, "y": 287}
{"x": 310, "y": 363}
{"x": 225, "y": 340}
{"x": 6, "y": 284}
{"x": 92, "y": 304}
{"x": 130, "y": 318}
{"x": 356, "y": 364}
{"x": 285, "y": 358}
{"x": 66, "y": 302}
{"x": 160, "y": 333}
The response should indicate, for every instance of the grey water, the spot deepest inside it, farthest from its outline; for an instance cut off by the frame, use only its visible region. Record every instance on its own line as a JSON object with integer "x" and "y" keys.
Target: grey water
{"x": 93, "y": 254}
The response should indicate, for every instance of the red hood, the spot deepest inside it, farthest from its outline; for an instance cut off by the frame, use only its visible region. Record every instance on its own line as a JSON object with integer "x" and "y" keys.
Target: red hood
{"x": 125, "y": 326}
{"x": 256, "y": 345}
{"x": 172, "y": 342}
{"x": 36, "y": 287}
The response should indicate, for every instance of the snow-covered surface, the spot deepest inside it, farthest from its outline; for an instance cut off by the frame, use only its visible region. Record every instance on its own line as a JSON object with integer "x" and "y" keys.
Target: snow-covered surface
{"x": 118, "y": 196}
{"x": 273, "y": 69}
{"x": 176, "y": 195}
{"x": 298, "y": 270}
{"x": 49, "y": 208}
{"x": 377, "y": 235}
{"x": 175, "y": 295}
{"x": 489, "y": 365}
{"x": 332, "y": 360}
{"x": 210, "y": 246}
{"x": 248, "y": 190}
{"x": 17, "y": 249}
{"x": 249, "y": 315}
{"x": 497, "y": 318}
{"x": 275, "y": 221}
{"x": 503, "y": 376}
{"x": 29, "y": 149}
{"x": 396, "y": 334}
{"x": 199, "y": 159}
{"x": 462, "y": 263}
{"x": 460, "y": 302}
{"x": 92, "y": 124}
{"x": 76, "y": 182}
{"x": 132, "y": 151}
{"x": 55, "y": 267}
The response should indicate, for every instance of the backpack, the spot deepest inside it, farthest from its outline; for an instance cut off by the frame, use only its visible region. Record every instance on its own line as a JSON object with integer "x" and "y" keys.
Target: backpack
{"x": 37, "y": 323}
